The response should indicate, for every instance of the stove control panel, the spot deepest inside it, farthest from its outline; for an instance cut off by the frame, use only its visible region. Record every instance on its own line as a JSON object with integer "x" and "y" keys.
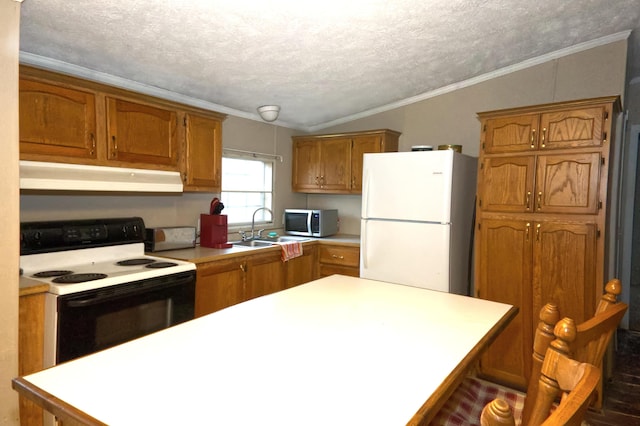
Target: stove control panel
{"x": 48, "y": 236}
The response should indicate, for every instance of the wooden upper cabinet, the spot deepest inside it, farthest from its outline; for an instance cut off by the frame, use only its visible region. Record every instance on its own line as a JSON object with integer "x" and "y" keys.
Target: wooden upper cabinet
{"x": 56, "y": 121}
{"x": 66, "y": 119}
{"x": 322, "y": 166}
{"x": 510, "y": 134}
{"x": 332, "y": 163}
{"x": 570, "y": 128}
{"x": 202, "y": 168}
{"x": 335, "y": 165}
{"x": 362, "y": 145}
{"x": 138, "y": 133}
{"x": 306, "y": 165}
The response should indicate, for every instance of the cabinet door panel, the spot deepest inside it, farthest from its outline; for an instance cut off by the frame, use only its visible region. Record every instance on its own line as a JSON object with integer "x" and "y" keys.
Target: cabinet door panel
{"x": 565, "y": 268}
{"x": 264, "y": 275}
{"x": 510, "y": 134}
{"x": 306, "y": 165}
{"x": 507, "y": 184}
{"x": 57, "y": 120}
{"x": 335, "y": 165}
{"x": 218, "y": 285}
{"x": 362, "y": 145}
{"x": 204, "y": 153}
{"x": 141, "y": 134}
{"x": 302, "y": 269}
{"x": 572, "y": 128}
{"x": 567, "y": 183}
{"x": 504, "y": 275}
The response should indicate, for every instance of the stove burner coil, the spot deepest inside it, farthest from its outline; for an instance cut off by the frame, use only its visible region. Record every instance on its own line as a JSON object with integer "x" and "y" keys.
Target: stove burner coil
{"x": 52, "y": 273}
{"x": 78, "y": 278}
{"x": 134, "y": 262}
{"x": 156, "y": 265}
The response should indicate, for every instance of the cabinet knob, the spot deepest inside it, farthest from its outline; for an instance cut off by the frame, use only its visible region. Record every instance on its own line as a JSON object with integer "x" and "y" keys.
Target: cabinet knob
{"x": 335, "y": 256}
{"x": 544, "y": 134}
{"x": 527, "y": 201}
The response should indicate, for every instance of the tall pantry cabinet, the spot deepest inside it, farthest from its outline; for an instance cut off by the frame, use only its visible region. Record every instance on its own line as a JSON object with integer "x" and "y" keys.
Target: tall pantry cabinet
{"x": 542, "y": 202}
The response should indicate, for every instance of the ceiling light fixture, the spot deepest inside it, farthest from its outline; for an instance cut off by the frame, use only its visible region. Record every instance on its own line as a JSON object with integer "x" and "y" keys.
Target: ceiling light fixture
{"x": 269, "y": 112}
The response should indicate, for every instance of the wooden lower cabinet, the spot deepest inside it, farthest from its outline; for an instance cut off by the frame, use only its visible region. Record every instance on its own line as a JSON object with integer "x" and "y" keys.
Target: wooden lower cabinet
{"x": 339, "y": 259}
{"x": 303, "y": 269}
{"x": 30, "y": 350}
{"x": 528, "y": 264}
{"x": 227, "y": 282}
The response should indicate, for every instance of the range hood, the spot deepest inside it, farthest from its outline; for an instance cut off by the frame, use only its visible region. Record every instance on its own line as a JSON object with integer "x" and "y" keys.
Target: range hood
{"x": 74, "y": 177}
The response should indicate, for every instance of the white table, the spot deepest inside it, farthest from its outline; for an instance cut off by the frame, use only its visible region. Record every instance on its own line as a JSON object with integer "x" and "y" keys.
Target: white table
{"x": 336, "y": 351}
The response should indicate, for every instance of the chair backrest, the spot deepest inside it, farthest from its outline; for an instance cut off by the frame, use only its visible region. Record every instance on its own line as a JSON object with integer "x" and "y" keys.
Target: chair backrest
{"x": 590, "y": 343}
{"x": 559, "y": 375}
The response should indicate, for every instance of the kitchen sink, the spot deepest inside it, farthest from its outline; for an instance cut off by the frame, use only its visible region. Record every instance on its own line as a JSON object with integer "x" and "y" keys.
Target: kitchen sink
{"x": 283, "y": 239}
{"x": 253, "y": 243}
{"x": 266, "y": 241}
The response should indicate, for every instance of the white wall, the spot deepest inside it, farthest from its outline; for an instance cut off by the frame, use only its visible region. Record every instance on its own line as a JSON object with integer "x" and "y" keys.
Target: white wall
{"x": 9, "y": 244}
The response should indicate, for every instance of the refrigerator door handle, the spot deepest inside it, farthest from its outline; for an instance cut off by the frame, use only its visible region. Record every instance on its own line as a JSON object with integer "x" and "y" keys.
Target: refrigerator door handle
{"x": 366, "y": 183}
{"x": 363, "y": 245}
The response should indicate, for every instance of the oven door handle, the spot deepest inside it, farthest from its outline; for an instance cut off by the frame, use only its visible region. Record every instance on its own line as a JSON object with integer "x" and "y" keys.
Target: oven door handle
{"x": 157, "y": 284}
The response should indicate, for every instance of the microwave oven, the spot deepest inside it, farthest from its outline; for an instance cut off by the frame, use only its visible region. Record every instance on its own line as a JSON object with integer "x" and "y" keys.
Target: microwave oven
{"x": 311, "y": 223}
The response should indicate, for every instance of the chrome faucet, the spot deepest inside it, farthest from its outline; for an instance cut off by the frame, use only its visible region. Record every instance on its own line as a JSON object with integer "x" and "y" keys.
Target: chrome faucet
{"x": 253, "y": 221}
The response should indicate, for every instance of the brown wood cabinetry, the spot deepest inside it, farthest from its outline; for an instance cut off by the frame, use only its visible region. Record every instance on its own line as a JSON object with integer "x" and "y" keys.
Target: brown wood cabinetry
{"x": 57, "y": 121}
{"x": 30, "y": 348}
{"x": 303, "y": 269}
{"x": 202, "y": 168}
{"x": 141, "y": 134}
{"x": 541, "y": 218}
{"x": 231, "y": 281}
{"x": 69, "y": 120}
{"x": 332, "y": 163}
{"x": 339, "y": 259}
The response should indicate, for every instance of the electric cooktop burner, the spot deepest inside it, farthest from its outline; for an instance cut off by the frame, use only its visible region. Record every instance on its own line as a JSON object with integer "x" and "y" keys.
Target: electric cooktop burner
{"x": 52, "y": 273}
{"x": 133, "y": 262}
{"x": 78, "y": 278}
{"x": 156, "y": 265}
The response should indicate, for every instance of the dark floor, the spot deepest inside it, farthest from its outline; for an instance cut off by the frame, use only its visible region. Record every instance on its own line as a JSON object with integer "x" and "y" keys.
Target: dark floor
{"x": 622, "y": 392}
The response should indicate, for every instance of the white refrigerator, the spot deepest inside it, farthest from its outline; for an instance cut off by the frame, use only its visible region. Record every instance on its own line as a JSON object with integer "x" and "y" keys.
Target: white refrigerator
{"x": 417, "y": 219}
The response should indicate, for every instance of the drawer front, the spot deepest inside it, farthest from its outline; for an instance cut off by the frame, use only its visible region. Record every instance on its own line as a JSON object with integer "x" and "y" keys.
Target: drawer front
{"x": 340, "y": 255}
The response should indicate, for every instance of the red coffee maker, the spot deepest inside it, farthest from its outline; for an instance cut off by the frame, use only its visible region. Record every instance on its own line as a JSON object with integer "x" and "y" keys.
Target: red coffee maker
{"x": 213, "y": 227}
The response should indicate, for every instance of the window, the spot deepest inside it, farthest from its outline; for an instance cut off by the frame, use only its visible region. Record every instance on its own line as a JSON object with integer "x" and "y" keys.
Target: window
{"x": 247, "y": 185}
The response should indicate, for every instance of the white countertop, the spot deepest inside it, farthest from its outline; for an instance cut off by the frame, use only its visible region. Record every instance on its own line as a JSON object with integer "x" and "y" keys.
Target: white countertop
{"x": 336, "y": 351}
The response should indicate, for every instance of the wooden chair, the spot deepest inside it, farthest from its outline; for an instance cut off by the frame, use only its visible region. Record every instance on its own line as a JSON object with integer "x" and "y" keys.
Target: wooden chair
{"x": 560, "y": 375}
{"x": 590, "y": 344}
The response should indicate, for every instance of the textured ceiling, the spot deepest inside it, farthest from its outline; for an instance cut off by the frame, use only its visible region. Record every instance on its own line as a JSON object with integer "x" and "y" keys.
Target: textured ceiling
{"x": 324, "y": 61}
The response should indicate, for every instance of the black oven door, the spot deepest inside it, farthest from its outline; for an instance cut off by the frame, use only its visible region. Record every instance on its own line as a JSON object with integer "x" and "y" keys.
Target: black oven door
{"x": 93, "y": 320}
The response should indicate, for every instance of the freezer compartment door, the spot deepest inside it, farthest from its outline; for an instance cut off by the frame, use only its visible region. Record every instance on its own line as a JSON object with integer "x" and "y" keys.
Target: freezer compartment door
{"x": 409, "y": 253}
{"x": 408, "y": 186}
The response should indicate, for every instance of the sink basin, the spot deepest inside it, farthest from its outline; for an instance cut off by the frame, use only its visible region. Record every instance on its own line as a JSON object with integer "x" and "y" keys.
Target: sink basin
{"x": 284, "y": 239}
{"x": 265, "y": 241}
{"x": 253, "y": 243}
